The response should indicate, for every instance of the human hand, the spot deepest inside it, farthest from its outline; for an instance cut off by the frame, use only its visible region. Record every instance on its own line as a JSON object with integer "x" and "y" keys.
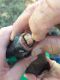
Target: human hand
{"x": 22, "y": 23}
{"x": 15, "y": 73}
{"x": 53, "y": 74}
{"x": 7, "y": 73}
{"x": 52, "y": 45}
{"x": 39, "y": 17}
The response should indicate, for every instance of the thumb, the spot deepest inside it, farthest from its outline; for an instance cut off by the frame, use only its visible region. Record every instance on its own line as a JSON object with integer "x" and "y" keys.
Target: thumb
{"x": 4, "y": 40}
{"x": 43, "y": 18}
{"x": 55, "y": 68}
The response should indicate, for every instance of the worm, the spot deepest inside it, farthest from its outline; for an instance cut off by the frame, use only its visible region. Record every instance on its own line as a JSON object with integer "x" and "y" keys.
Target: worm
{"x": 50, "y": 44}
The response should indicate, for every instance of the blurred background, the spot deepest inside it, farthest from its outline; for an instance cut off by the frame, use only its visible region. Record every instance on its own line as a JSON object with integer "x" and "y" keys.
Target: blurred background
{"x": 11, "y": 9}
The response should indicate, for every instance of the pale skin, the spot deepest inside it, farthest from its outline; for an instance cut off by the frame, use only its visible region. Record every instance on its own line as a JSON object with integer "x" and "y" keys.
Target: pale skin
{"x": 50, "y": 8}
{"x": 39, "y": 17}
{"x": 7, "y": 73}
{"x": 19, "y": 68}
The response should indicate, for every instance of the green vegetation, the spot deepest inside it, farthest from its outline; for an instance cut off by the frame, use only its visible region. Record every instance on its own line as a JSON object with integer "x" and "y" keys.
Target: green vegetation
{"x": 10, "y": 10}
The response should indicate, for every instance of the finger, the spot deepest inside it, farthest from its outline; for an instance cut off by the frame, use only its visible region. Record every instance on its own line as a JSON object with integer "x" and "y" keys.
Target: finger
{"x": 53, "y": 74}
{"x": 55, "y": 68}
{"x": 43, "y": 18}
{"x": 4, "y": 39}
{"x": 5, "y": 35}
{"x": 16, "y": 72}
{"x": 22, "y": 22}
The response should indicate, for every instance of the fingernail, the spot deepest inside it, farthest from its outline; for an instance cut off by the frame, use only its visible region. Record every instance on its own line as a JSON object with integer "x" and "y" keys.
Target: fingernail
{"x": 35, "y": 37}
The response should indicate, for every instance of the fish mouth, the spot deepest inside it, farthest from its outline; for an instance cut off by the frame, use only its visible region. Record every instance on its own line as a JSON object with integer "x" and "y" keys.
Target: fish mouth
{"x": 26, "y": 41}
